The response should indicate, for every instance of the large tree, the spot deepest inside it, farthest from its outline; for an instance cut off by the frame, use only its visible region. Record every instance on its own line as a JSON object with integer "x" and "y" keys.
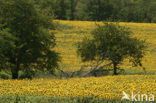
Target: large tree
{"x": 111, "y": 42}
{"x": 25, "y": 39}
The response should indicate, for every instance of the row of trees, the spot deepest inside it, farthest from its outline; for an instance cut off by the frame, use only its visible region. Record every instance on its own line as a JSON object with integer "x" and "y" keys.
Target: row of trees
{"x": 96, "y": 10}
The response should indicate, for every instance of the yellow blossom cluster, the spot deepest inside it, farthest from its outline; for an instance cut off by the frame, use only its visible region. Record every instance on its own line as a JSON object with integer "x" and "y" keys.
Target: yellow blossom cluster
{"x": 108, "y": 87}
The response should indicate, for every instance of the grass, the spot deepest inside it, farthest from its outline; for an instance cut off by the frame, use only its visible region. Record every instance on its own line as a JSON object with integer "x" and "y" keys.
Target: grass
{"x": 40, "y": 99}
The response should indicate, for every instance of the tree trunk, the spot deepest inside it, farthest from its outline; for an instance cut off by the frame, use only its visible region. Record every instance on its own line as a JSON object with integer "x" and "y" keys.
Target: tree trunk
{"x": 15, "y": 72}
{"x": 115, "y": 68}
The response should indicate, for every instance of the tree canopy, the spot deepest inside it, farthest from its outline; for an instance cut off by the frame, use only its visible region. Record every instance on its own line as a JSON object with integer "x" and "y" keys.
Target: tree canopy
{"x": 112, "y": 42}
{"x": 25, "y": 39}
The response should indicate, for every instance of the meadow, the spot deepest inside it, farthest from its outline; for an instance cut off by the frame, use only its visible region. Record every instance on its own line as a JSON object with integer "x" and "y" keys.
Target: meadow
{"x": 106, "y": 87}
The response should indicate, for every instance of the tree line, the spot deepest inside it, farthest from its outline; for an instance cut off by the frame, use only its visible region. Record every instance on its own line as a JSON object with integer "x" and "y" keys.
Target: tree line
{"x": 99, "y": 10}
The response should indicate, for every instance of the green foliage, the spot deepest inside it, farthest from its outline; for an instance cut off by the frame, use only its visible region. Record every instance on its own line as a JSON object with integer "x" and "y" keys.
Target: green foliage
{"x": 6, "y": 44}
{"x": 45, "y": 6}
{"x": 4, "y": 75}
{"x": 55, "y": 8}
{"x": 114, "y": 43}
{"x": 129, "y": 10}
{"x": 26, "y": 43}
{"x": 73, "y": 4}
{"x": 136, "y": 11}
{"x": 98, "y": 9}
{"x": 61, "y": 10}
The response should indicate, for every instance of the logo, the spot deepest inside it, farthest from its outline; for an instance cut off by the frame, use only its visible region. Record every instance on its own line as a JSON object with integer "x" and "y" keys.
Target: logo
{"x": 138, "y": 97}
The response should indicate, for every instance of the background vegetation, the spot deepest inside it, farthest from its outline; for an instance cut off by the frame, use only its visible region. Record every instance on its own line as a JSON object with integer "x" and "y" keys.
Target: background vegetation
{"x": 97, "y": 10}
